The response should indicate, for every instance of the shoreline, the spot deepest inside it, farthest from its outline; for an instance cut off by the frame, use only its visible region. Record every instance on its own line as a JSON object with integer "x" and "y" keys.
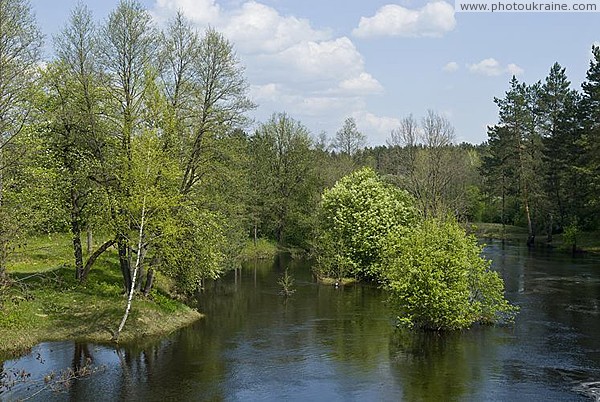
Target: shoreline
{"x": 43, "y": 321}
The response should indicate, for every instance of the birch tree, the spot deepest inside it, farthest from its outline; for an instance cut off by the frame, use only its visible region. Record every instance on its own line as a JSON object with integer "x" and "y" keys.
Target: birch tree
{"x": 127, "y": 52}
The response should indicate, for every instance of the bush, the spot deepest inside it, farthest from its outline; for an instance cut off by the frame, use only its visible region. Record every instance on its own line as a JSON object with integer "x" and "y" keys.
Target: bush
{"x": 357, "y": 215}
{"x": 438, "y": 279}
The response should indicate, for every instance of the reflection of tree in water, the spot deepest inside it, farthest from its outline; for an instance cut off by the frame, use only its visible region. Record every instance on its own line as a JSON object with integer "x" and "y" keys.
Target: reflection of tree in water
{"x": 433, "y": 366}
{"x": 354, "y": 324}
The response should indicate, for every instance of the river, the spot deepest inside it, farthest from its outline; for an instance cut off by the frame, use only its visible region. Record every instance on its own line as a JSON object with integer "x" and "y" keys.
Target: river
{"x": 328, "y": 344}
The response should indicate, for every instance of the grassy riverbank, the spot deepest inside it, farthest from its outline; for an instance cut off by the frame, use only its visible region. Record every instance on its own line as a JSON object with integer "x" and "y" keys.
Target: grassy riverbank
{"x": 45, "y": 302}
{"x": 586, "y": 241}
{"x": 263, "y": 249}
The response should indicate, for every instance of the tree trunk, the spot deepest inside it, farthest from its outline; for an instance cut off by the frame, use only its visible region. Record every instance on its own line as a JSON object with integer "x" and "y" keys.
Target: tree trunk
{"x": 3, "y": 234}
{"x": 550, "y": 226}
{"x": 93, "y": 257}
{"x": 76, "y": 234}
{"x": 149, "y": 282}
{"x": 141, "y": 253}
{"x": 138, "y": 286}
{"x": 77, "y": 252}
{"x": 531, "y": 235}
{"x": 123, "y": 249}
{"x": 255, "y": 233}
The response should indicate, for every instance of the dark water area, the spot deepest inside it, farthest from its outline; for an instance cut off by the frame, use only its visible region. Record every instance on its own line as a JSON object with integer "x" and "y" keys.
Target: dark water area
{"x": 328, "y": 344}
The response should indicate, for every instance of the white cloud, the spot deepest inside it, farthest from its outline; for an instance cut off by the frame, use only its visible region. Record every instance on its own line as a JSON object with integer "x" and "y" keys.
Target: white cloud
{"x": 492, "y": 67}
{"x": 267, "y": 92}
{"x": 198, "y": 11}
{"x": 334, "y": 59}
{"x": 378, "y": 128}
{"x": 432, "y": 20}
{"x": 255, "y": 27}
{"x": 513, "y": 69}
{"x": 364, "y": 84}
{"x": 291, "y": 65}
{"x": 451, "y": 67}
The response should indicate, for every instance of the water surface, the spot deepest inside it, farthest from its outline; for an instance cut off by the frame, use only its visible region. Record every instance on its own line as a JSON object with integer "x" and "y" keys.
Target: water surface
{"x": 340, "y": 344}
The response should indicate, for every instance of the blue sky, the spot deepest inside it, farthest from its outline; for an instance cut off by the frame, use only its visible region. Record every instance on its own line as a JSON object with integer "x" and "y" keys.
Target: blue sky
{"x": 377, "y": 61}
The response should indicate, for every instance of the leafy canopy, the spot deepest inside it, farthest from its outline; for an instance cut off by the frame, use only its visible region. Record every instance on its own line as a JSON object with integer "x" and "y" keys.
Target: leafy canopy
{"x": 438, "y": 279}
{"x": 358, "y": 213}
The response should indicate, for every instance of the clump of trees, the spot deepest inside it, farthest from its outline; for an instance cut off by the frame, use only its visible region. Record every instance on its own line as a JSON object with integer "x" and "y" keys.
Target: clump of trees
{"x": 438, "y": 280}
{"x": 358, "y": 214}
{"x": 129, "y": 113}
{"x": 433, "y": 270}
{"x": 540, "y": 164}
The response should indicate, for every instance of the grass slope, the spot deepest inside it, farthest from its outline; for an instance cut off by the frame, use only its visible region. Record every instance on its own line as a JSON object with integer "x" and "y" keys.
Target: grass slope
{"x": 44, "y": 302}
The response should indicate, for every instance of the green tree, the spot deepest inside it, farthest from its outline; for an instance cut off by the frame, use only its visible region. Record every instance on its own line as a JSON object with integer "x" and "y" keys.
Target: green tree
{"x": 438, "y": 279}
{"x": 127, "y": 53}
{"x": 20, "y": 44}
{"x": 560, "y": 133}
{"x": 200, "y": 105}
{"x": 358, "y": 214}
{"x": 589, "y": 163}
{"x": 218, "y": 99}
{"x": 73, "y": 131}
{"x": 430, "y": 166}
{"x": 284, "y": 178}
{"x": 515, "y": 149}
{"x": 348, "y": 139}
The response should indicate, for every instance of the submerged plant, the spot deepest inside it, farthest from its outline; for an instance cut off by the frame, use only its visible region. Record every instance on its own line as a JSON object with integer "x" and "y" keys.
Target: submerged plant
{"x": 286, "y": 282}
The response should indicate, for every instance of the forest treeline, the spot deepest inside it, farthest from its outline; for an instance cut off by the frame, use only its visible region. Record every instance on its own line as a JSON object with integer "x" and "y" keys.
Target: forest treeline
{"x": 142, "y": 135}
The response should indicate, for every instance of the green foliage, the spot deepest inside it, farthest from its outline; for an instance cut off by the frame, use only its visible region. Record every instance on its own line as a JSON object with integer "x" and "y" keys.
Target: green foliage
{"x": 358, "y": 214}
{"x": 165, "y": 303}
{"x": 438, "y": 280}
{"x": 283, "y": 181}
{"x": 194, "y": 249}
{"x": 262, "y": 249}
{"x": 572, "y": 232}
{"x": 287, "y": 284}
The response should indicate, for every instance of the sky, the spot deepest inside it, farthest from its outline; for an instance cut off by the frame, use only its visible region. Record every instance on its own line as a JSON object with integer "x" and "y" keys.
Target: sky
{"x": 378, "y": 61}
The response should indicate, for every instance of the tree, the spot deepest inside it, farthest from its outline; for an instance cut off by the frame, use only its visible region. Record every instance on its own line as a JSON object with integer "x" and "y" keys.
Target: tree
{"x": 20, "y": 44}
{"x": 219, "y": 102}
{"x": 497, "y": 172}
{"x": 560, "y": 133}
{"x": 73, "y": 132}
{"x": 516, "y": 146}
{"x": 357, "y": 216}
{"x": 589, "y": 163}
{"x": 127, "y": 53}
{"x": 153, "y": 197}
{"x": 348, "y": 140}
{"x": 439, "y": 281}
{"x": 283, "y": 175}
{"x": 429, "y": 166}
{"x": 200, "y": 106}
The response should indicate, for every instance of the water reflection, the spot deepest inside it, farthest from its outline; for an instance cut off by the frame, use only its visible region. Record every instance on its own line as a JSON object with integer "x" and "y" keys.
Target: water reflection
{"x": 339, "y": 344}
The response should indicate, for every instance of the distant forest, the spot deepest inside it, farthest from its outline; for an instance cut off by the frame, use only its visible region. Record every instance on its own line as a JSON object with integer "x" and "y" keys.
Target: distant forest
{"x": 139, "y": 136}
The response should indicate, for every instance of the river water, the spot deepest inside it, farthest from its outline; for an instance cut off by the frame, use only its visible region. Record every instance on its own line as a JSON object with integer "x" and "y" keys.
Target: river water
{"x": 328, "y": 344}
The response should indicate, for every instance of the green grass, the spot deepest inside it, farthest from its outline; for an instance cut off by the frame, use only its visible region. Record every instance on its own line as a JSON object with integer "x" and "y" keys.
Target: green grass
{"x": 341, "y": 282}
{"x": 46, "y": 303}
{"x": 263, "y": 249}
{"x": 495, "y": 231}
{"x": 41, "y": 253}
{"x": 586, "y": 241}
{"x": 590, "y": 241}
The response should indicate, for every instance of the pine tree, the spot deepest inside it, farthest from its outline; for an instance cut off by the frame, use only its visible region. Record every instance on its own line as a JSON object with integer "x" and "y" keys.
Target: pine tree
{"x": 557, "y": 108}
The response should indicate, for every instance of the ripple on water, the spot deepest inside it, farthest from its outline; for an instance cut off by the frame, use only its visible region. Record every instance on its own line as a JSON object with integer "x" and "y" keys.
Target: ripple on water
{"x": 589, "y": 389}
